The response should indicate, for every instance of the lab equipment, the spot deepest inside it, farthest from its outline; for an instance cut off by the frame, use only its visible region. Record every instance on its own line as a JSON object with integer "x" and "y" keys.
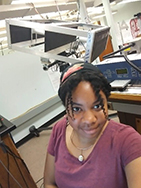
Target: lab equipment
{"x": 53, "y": 39}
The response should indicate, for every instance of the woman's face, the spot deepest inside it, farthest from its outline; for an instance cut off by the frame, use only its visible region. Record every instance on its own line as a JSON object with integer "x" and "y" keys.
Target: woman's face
{"x": 88, "y": 117}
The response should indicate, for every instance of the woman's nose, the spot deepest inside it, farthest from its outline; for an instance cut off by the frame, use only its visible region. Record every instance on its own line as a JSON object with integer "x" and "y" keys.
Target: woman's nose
{"x": 89, "y": 117}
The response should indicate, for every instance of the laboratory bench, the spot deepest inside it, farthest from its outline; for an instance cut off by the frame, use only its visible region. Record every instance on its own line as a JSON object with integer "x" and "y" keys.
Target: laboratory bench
{"x": 13, "y": 170}
{"x": 128, "y": 106}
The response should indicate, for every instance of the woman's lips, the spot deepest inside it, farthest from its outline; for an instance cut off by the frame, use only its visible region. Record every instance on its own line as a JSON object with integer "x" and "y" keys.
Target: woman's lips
{"x": 90, "y": 131}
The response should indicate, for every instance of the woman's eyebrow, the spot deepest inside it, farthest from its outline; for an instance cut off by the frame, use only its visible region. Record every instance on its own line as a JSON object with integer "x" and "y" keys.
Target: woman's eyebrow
{"x": 78, "y": 104}
{"x": 75, "y": 103}
{"x": 97, "y": 101}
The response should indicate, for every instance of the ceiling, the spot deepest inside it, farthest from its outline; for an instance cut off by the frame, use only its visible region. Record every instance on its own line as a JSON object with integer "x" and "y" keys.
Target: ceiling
{"x": 68, "y": 9}
{"x": 9, "y": 10}
{"x": 8, "y": 2}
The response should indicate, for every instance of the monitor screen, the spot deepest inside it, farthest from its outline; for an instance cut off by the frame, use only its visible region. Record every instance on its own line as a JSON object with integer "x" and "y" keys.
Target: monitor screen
{"x": 20, "y": 34}
{"x": 96, "y": 43}
{"x": 54, "y": 40}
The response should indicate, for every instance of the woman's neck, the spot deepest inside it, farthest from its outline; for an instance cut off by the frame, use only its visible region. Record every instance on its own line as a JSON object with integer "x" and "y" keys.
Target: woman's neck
{"x": 81, "y": 141}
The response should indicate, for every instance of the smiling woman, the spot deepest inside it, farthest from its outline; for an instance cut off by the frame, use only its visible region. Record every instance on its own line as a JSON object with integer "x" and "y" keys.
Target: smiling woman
{"x": 86, "y": 149}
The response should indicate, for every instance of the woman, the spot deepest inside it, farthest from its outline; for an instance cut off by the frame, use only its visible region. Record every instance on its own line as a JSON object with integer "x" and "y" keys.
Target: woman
{"x": 86, "y": 149}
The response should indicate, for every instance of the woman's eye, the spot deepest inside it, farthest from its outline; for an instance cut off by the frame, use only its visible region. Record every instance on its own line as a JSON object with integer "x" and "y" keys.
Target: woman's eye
{"x": 76, "y": 109}
{"x": 97, "y": 106}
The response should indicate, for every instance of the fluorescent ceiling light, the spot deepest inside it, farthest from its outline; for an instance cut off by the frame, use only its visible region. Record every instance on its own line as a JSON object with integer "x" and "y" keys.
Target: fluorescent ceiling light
{"x": 113, "y": 3}
{"x": 3, "y": 39}
{"x": 102, "y": 15}
{"x": 95, "y": 10}
{"x": 2, "y": 23}
{"x": 127, "y": 1}
{"x": 24, "y": 1}
{"x": 36, "y": 1}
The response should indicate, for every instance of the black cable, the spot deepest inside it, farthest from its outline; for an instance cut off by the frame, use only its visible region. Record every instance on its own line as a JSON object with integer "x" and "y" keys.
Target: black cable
{"x": 10, "y": 152}
{"x": 41, "y": 185}
{"x": 120, "y": 50}
{"x": 39, "y": 180}
{"x": 20, "y": 172}
{"x": 10, "y": 175}
{"x": 111, "y": 55}
{"x": 128, "y": 61}
{"x": 115, "y": 56}
{"x": 132, "y": 64}
{"x": 14, "y": 157}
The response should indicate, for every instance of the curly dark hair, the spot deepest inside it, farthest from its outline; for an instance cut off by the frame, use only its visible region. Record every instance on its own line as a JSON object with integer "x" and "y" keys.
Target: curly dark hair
{"x": 95, "y": 78}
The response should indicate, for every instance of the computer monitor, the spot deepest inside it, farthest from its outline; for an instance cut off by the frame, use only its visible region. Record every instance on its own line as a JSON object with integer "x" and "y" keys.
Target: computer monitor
{"x": 54, "y": 40}
{"x": 96, "y": 43}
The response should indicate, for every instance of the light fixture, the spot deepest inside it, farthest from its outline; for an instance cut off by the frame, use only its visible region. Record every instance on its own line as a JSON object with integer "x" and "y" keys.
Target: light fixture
{"x": 36, "y": 1}
{"x": 127, "y": 1}
{"x": 102, "y": 15}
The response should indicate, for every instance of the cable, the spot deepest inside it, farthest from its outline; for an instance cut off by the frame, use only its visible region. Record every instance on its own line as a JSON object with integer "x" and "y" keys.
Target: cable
{"x": 7, "y": 150}
{"x": 39, "y": 180}
{"x": 132, "y": 64}
{"x": 37, "y": 10}
{"x": 42, "y": 185}
{"x": 8, "y": 169}
{"x": 58, "y": 9}
{"x": 111, "y": 55}
{"x": 10, "y": 174}
{"x": 20, "y": 172}
{"x": 120, "y": 50}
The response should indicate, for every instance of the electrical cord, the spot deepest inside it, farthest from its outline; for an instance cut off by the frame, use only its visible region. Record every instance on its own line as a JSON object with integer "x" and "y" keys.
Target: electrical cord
{"x": 120, "y": 50}
{"x": 8, "y": 170}
{"x": 7, "y": 150}
{"x": 37, "y": 11}
{"x": 39, "y": 181}
{"x": 128, "y": 61}
{"x": 111, "y": 55}
{"x": 42, "y": 185}
{"x": 132, "y": 64}
{"x": 58, "y": 9}
{"x": 10, "y": 175}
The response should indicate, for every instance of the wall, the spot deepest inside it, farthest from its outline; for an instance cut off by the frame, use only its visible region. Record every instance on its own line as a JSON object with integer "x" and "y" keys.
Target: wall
{"x": 27, "y": 95}
{"x": 125, "y": 12}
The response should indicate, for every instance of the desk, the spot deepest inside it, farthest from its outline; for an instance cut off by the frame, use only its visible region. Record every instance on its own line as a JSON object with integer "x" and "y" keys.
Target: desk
{"x": 128, "y": 106}
{"x": 18, "y": 175}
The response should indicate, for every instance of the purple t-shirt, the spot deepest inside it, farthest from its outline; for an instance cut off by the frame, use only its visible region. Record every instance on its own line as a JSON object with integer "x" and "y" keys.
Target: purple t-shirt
{"x": 104, "y": 167}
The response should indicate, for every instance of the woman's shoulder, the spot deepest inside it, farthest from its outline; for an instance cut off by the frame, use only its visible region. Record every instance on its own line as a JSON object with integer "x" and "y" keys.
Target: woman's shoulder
{"x": 57, "y": 135}
{"x": 126, "y": 140}
{"x": 121, "y": 128}
{"x": 123, "y": 133}
{"x": 60, "y": 125}
{"x": 61, "y": 122}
